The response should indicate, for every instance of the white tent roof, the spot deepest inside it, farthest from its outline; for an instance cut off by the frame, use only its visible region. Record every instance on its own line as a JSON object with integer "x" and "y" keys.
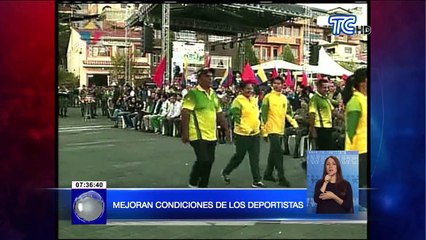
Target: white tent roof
{"x": 326, "y": 65}
{"x": 279, "y": 64}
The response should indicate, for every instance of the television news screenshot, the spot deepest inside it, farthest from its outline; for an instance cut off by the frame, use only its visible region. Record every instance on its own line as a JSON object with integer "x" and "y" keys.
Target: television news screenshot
{"x": 222, "y": 121}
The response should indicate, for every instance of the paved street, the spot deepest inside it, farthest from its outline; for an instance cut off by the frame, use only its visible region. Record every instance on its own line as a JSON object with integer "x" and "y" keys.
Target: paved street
{"x": 125, "y": 158}
{"x": 92, "y": 150}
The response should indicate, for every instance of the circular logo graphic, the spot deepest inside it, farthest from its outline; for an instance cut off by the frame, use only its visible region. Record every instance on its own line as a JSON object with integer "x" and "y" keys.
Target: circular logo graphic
{"x": 89, "y": 206}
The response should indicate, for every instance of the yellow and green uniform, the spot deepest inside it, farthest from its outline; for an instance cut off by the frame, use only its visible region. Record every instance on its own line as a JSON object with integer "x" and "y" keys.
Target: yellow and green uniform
{"x": 358, "y": 103}
{"x": 205, "y": 107}
{"x": 275, "y": 109}
{"x": 321, "y": 106}
{"x": 245, "y": 114}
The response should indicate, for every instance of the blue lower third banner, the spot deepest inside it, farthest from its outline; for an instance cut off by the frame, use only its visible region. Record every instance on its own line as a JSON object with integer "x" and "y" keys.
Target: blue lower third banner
{"x": 205, "y": 204}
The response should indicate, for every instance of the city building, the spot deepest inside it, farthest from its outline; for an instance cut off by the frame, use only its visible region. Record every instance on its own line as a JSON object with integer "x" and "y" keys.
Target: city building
{"x": 93, "y": 48}
{"x": 345, "y": 48}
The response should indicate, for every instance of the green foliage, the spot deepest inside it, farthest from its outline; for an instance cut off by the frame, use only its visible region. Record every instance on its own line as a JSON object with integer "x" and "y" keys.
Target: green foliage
{"x": 250, "y": 55}
{"x": 288, "y": 54}
{"x": 350, "y": 66}
{"x": 64, "y": 33}
{"x": 67, "y": 79}
{"x": 117, "y": 73}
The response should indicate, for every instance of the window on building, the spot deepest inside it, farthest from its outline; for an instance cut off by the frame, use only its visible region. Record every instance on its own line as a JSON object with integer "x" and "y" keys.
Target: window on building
{"x": 275, "y": 53}
{"x": 137, "y": 51}
{"x": 296, "y": 32}
{"x": 189, "y": 36}
{"x": 99, "y": 51}
{"x": 220, "y": 62}
{"x": 157, "y": 34}
{"x": 280, "y": 31}
{"x": 155, "y": 58}
{"x": 121, "y": 50}
{"x": 266, "y": 54}
{"x": 295, "y": 52}
{"x": 331, "y": 50}
{"x": 215, "y": 38}
{"x": 273, "y": 31}
{"x": 287, "y": 31}
{"x": 348, "y": 50}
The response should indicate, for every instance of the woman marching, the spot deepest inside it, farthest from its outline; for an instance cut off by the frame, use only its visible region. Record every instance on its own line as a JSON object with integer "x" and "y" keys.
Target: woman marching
{"x": 355, "y": 100}
{"x": 245, "y": 115}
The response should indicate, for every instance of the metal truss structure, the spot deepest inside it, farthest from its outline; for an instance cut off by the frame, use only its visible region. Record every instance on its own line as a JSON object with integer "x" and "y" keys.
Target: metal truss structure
{"x": 240, "y": 21}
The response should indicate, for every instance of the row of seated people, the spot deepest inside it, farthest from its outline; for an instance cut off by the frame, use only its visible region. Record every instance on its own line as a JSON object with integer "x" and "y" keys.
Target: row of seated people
{"x": 157, "y": 113}
{"x": 161, "y": 114}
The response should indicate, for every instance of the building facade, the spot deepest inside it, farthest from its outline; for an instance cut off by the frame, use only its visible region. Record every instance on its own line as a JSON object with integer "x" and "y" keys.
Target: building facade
{"x": 94, "y": 48}
{"x": 91, "y": 53}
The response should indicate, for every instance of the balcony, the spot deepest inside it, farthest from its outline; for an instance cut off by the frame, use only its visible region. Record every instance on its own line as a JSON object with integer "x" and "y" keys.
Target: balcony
{"x": 92, "y": 63}
{"x": 282, "y": 40}
{"x": 353, "y": 39}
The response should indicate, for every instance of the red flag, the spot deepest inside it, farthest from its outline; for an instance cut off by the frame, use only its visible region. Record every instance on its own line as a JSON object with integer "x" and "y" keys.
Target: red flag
{"x": 304, "y": 80}
{"x": 288, "y": 81}
{"x": 207, "y": 59}
{"x": 319, "y": 77}
{"x": 274, "y": 73}
{"x": 96, "y": 37}
{"x": 159, "y": 72}
{"x": 344, "y": 77}
{"x": 248, "y": 76}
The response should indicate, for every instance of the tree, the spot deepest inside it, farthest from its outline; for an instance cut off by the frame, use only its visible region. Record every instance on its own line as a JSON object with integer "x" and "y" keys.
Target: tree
{"x": 288, "y": 54}
{"x": 250, "y": 55}
{"x": 64, "y": 33}
{"x": 67, "y": 79}
{"x": 350, "y": 66}
{"x": 117, "y": 73}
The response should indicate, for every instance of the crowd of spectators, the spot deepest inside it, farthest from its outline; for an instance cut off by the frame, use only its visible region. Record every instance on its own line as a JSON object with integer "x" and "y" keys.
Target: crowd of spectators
{"x": 150, "y": 109}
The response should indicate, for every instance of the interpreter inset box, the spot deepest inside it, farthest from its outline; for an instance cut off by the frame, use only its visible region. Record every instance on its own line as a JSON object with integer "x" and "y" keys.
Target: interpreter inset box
{"x": 332, "y": 182}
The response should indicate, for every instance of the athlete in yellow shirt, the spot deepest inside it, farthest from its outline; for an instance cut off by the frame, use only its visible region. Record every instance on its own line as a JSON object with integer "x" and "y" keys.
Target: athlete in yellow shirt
{"x": 275, "y": 110}
{"x": 355, "y": 99}
{"x": 245, "y": 114}
{"x": 200, "y": 110}
{"x": 321, "y": 116}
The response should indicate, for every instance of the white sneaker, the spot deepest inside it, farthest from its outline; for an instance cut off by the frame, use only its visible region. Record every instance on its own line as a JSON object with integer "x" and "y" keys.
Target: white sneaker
{"x": 258, "y": 185}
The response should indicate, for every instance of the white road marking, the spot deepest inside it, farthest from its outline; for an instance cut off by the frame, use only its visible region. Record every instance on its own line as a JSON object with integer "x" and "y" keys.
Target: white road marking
{"x": 75, "y": 148}
{"x": 91, "y": 143}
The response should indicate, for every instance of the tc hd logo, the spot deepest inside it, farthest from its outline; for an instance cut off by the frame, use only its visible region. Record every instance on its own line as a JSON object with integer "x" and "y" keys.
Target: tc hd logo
{"x": 346, "y": 24}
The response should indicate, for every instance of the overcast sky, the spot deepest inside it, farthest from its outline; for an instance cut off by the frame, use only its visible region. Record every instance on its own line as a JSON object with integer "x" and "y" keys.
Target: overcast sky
{"x": 328, "y": 6}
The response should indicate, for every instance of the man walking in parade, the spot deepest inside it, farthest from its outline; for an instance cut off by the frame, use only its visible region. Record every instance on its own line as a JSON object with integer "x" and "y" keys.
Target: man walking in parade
{"x": 200, "y": 114}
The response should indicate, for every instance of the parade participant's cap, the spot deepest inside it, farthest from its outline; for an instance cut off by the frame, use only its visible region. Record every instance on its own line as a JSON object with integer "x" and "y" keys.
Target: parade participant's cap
{"x": 205, "y": 71}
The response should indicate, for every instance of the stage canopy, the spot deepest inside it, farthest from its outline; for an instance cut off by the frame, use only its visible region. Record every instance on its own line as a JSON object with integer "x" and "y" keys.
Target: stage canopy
{"x": 278, "y": 64}
{"x": 219, "y": 19}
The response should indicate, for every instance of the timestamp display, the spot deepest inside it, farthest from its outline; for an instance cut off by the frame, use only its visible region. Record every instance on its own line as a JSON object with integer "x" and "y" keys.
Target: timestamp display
{"x": 89, "y": 185}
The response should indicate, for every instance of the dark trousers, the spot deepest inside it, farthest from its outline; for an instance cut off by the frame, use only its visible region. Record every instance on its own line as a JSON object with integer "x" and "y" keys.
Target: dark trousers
{"x": 243, "y": 144}
{"x": 324, "y": 140}
{"x": 363, "y": 179}
{"x": 363, "y": 182}
{"x": 205, "y": 154}
{"x": 104, "y": 107}
{"x": 168, "y": 126}
{"x": 275, "y": 157}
